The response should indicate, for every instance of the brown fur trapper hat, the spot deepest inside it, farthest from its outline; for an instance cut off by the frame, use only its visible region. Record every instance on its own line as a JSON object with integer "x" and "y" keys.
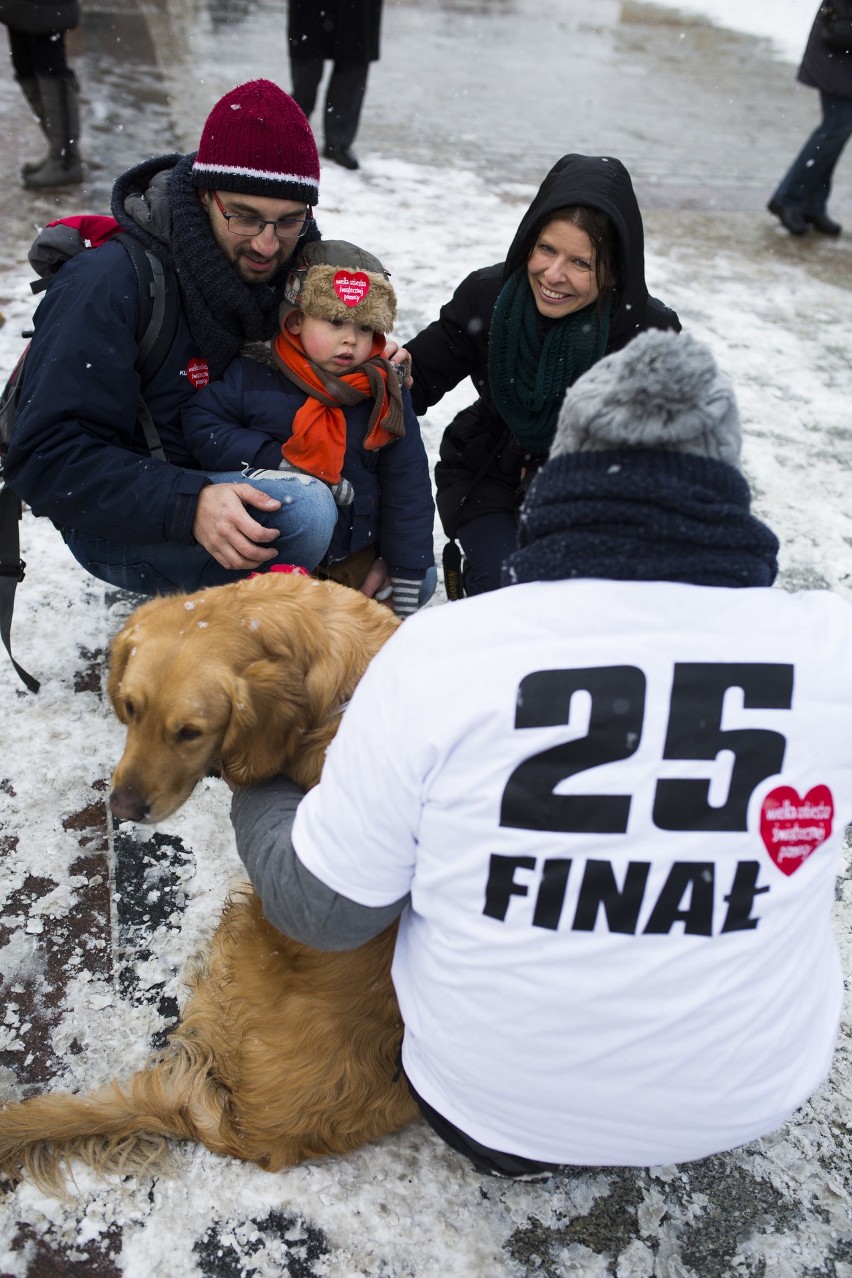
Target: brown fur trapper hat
{"x": 339, "y": 281}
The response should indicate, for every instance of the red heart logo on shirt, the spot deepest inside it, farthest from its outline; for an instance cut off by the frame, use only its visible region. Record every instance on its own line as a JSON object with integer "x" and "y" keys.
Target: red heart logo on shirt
{"x": 792, "y": 828}
{"x": 351, "y": 287}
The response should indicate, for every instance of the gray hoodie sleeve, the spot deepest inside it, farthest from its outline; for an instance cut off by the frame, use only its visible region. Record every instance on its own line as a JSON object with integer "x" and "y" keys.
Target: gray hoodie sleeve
{"x": 294, "y": 900}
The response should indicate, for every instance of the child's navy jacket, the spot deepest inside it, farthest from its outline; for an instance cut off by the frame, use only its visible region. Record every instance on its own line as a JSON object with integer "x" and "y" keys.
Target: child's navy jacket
{"x": 242, "y": 421}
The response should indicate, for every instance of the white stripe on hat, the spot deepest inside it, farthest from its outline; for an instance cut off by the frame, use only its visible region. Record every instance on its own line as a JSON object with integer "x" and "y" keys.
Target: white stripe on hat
{"x": 300, "y": 179}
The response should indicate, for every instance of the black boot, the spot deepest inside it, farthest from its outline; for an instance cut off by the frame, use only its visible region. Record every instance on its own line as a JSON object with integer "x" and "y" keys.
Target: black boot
{"x": 793, "y": 219}
{"x": 343, "y": 156}
{"x": 61, "y": 105}
{"x": 31, "y": 91}
{"x": 823, "y": 223}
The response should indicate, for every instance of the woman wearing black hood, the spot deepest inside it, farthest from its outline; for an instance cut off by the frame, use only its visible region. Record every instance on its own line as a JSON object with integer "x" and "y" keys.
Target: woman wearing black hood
{"x": 572, "y": 289}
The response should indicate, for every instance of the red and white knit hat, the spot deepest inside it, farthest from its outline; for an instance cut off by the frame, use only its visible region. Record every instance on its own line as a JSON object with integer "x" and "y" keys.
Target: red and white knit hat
{"x": 257, "y": 141}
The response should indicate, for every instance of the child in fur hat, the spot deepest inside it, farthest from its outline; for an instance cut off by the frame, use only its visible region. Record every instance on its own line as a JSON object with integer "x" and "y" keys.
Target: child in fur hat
{"x": 320, "y": 398}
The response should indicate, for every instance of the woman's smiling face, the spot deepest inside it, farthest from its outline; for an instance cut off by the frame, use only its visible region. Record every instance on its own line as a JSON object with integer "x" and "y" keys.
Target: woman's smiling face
{"x": 561, "y": 270}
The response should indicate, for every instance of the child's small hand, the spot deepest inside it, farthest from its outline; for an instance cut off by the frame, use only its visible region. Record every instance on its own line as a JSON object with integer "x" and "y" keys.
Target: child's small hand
{"x": 377, "y": 583}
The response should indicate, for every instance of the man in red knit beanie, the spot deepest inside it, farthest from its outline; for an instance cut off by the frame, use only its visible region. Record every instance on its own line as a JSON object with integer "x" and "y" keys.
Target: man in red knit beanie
{"x": 225, "y": 223}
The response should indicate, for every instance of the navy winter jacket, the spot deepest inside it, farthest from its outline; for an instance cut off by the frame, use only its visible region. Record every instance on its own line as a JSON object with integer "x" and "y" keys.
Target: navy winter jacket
{"x": 77, "y": 455}
{"x": 243, "y": 419}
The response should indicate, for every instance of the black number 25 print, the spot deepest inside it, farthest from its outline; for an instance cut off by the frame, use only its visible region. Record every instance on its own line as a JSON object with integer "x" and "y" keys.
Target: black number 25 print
{"x": 616, "y": 719}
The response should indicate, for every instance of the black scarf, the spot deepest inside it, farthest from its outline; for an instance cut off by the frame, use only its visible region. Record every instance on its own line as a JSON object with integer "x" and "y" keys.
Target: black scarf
{"x": 223, "y": 313}
{"x": 641, "y": 516}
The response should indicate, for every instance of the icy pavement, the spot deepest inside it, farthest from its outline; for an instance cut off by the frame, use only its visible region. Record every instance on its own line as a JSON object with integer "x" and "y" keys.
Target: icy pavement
{"x": 98, "y": 926}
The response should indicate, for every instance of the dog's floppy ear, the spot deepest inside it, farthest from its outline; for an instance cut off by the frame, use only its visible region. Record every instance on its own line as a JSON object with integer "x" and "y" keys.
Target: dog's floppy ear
{"x": 119, "y": 654}
{"x": 267, "y": 715}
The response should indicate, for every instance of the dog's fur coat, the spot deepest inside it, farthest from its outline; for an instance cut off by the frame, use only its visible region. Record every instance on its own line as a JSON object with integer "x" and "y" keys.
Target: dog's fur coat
{"x": 283, "y": 1052}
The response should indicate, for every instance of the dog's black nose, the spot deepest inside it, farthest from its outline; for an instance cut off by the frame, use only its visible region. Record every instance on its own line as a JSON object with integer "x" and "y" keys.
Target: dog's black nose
{"x": 127, "y": 804}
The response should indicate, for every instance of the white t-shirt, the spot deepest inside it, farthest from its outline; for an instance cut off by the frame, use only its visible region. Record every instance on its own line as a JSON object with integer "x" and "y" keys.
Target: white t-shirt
{"x": 618, "y": 808}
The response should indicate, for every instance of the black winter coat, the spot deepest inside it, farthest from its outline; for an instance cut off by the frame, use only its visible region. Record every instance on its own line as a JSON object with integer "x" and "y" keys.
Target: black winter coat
{"x": 480, "y": 467}
{"x": 39, "y": 17}
{"x": 339, "y": 30}
{"x": 828, "y": 67}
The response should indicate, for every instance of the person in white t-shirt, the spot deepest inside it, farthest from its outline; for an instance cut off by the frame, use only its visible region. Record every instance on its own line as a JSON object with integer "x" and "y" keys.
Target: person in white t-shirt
{"x": 607, "y": 803}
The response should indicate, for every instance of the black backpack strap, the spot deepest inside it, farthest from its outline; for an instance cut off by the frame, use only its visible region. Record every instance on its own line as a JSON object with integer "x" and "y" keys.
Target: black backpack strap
{"x": 11, "y": 564}
{"x": 11, "y": 572}
{"x": 159, "y": 306}
{"x": 161, "y": 320}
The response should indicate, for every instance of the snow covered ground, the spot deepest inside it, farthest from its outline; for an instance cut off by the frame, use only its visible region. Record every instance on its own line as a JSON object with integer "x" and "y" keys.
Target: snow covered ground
{"x": 785, "y": 22}
{"x": 79, "y": 1009}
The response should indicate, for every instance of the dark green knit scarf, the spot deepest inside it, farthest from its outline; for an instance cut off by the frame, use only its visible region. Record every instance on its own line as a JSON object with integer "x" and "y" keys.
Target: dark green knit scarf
{"x": 531, "y": 364}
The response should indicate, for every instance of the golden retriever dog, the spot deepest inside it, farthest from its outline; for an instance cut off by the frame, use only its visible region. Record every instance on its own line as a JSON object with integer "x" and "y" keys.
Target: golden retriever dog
{"x": 283, "y": 1052}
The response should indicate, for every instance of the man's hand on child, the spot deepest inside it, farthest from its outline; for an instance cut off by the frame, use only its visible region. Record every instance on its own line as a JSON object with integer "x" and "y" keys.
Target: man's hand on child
{"x": 227, "y": 531}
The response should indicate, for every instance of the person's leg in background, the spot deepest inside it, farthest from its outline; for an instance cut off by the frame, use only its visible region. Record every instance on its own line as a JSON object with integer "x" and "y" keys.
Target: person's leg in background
{"x": 833, "y": 134}
{"x": 24, "y": 69}
{"x": 486, "y": 542}
{"x": 51, "y": 88}
{"x": 801, "y": 197}
{"x": 306, "y": 74}
{"x": 343, "y": 103}
{"x": 305, "y": 522}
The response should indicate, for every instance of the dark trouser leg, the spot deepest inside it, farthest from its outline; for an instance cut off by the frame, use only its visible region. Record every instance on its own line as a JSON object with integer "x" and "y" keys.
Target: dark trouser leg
{"x": 343, "y": 103}
{"x": 833, "y": 136}
{"x": 807, "y": 184}
{"x": 35, "y": 56}
{"x": 486, "y": 542}
{"x": 32, "y": 92}
{"x": 306, "y": 74}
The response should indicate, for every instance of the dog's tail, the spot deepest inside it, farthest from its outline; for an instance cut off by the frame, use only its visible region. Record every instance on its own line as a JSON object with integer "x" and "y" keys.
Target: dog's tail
{"x": 121, "y": 1129}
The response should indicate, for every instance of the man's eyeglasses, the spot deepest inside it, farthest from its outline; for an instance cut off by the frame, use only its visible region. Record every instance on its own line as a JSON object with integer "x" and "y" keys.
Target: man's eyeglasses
{"x": 244, "y": 225}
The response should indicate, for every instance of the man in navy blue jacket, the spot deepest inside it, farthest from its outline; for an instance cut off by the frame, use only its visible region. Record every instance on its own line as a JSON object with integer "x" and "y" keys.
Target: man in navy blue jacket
{"x": 226, "y": 220}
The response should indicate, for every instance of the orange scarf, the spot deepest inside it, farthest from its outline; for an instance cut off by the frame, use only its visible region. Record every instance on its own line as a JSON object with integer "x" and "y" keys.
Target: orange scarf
{"x": 318, "y": 442}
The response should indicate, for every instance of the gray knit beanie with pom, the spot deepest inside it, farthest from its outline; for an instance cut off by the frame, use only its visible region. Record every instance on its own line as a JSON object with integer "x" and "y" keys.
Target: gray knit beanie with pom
{"x": 662, "y": 392}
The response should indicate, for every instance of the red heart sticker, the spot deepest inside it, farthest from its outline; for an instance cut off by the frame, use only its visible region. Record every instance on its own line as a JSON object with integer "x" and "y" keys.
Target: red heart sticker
{"x": 792, "y": 828}
{"x": 351, "y": 287}
{"x": 198, "y": 373}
